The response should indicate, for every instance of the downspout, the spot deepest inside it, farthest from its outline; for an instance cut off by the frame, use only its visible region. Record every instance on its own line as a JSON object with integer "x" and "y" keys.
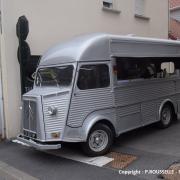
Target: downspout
{"x": 168, "y": 18}
{"x": 2, "y": 117}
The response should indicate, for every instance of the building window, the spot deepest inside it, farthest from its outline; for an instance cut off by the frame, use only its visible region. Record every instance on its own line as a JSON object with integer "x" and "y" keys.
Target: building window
{"x": 93, "y": 76}
{"x": 111, "y": 5}
{"x": 140, "y": 7}
{"x": 108, "y": 3}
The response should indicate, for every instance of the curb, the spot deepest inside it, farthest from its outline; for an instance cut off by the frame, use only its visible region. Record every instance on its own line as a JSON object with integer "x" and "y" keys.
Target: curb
{"x": 10, "y": 173}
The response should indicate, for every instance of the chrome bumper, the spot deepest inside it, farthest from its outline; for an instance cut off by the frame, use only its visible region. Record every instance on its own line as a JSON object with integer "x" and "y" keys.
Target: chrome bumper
{"x": 38, "y": 145}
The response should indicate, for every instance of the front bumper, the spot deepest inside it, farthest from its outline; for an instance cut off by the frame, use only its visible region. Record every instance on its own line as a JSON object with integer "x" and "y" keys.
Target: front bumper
{"x": 38, "y": 145}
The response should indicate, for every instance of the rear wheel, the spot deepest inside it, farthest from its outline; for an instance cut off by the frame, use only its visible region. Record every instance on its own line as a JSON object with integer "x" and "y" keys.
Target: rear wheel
{"x": 99, "y": 140}
{"x": 166, "y": 116}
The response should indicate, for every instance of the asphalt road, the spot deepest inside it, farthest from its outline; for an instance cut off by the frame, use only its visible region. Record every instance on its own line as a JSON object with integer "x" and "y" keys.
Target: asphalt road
{"x": 48, "y": 167}
{"x": 154, "y": 148}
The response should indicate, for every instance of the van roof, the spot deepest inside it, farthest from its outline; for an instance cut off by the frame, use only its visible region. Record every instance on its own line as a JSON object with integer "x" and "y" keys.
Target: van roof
{"x": 100, "y": 46}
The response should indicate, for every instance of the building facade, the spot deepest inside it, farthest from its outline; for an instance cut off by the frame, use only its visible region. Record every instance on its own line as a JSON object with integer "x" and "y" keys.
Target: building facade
{"x": 174, "y": 19}
{"x": 56, "y": 21}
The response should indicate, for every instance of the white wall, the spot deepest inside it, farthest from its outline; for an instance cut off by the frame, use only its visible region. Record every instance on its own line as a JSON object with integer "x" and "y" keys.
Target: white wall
{"x": 53, "y": 21}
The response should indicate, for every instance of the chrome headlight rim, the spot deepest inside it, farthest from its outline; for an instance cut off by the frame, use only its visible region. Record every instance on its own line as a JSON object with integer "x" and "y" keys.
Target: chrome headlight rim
{"x": 52, "y": 110}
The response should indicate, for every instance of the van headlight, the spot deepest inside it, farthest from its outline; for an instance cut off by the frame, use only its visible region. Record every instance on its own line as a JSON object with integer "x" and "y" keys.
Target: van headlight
{"x": 52, "y": 110}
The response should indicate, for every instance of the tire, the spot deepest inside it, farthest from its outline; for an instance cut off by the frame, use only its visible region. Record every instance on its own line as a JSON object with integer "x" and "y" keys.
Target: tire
{"x": 166, "y": 116}
{"x": 99, "y": 141}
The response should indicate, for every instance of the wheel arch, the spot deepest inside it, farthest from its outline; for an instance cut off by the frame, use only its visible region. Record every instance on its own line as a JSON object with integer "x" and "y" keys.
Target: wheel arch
{"x": 169, "y": 102}
{"x": 107, "y": 123}
{"x": 92, "y": 121}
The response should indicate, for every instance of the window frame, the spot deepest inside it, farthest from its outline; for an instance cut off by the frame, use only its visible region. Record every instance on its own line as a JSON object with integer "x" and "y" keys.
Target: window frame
{"x": 140, "y": 9}
{"x": 129, "y": 81}
{"x": 109, "y": 3}
{"x": 53, "y": 66}
{"x": 113, "y": 6}
{"x": 107, "y": 63}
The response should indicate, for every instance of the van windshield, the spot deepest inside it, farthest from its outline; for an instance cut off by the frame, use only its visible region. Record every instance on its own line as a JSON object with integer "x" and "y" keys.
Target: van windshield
{"x": 54, "y": 76}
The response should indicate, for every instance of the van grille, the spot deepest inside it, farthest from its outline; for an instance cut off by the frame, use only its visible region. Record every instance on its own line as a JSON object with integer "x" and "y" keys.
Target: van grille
{"x": 29, "y": 116}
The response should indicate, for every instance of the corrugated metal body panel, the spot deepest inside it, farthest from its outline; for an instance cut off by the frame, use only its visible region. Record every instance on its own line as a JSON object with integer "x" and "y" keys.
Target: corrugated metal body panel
{"x": 149, "y": 111}
{"x": 128, "y": 110}
{"x": 55, "y": 123}
{"x": 127, "y": 95}
{"x": 178, "y": 86}
{"x": 128, "y": 117}
{"x": 148, "y": 108}
{"x": 86, "y": 102}
{"x": 142, "y": 49}
{"x": 93, "y": 47}
{"x": 139, "y": 104}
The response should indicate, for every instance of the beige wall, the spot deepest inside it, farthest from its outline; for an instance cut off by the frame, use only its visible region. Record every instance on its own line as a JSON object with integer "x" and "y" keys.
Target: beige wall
{"x": 53, "y": 21}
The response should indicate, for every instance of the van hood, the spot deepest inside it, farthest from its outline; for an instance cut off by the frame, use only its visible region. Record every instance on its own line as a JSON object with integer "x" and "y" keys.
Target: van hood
{"x": 46, "y": 91}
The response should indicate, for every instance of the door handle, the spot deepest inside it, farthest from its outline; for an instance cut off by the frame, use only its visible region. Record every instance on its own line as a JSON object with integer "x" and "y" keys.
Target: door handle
{"x": 76, "y": 93}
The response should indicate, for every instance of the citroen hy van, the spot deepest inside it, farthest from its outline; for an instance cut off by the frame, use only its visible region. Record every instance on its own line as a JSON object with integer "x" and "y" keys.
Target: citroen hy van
{"x": 98, "y": 86}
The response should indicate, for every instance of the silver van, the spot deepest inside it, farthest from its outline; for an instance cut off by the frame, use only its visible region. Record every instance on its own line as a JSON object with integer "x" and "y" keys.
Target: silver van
{"x": 98, "y": 86}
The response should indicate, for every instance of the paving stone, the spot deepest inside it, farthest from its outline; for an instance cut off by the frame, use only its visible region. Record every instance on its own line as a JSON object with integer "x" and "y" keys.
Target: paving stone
{"x": 175, "y": 175}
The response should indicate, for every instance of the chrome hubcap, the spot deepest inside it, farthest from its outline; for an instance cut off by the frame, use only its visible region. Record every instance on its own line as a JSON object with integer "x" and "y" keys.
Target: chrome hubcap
{"x": 98, "y": 140}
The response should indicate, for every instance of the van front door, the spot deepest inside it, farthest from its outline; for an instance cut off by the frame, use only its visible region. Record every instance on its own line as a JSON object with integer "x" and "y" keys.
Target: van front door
{"x": 92, "y": 92}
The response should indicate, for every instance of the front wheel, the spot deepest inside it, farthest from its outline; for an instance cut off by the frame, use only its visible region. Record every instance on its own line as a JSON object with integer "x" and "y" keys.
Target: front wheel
{"x": 99, "y": 141}
{"x": 166, "y": 116}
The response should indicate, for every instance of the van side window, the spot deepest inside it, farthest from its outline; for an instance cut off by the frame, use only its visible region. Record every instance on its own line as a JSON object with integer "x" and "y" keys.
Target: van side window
{"x": 167, "y": 68}
{"x": 144, "y": 68}
{"x": 134, "y": 69}
{"x": 93, "y": 76}
{"x": 127, "y": 70}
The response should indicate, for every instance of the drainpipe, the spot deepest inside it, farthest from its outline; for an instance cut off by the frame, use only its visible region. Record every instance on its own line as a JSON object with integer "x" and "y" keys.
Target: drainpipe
{"x": 2, "y": 113}
{"x": 168, "y": 18}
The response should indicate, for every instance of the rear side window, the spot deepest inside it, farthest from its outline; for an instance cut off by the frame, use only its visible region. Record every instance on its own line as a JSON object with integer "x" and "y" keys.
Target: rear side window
{"x": 93, "y": 76}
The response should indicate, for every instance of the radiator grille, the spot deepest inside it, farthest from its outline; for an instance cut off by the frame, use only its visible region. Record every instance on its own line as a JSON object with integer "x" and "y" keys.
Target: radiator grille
{"x": 29, "y": 115}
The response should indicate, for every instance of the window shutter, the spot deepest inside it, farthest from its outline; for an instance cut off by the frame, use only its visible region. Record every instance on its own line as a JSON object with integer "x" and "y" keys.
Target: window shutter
{"x": 139, "y": 7}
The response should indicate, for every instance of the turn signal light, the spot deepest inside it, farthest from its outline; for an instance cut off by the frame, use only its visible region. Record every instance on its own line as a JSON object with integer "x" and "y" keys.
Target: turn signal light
{"x": 55, "y": 135}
